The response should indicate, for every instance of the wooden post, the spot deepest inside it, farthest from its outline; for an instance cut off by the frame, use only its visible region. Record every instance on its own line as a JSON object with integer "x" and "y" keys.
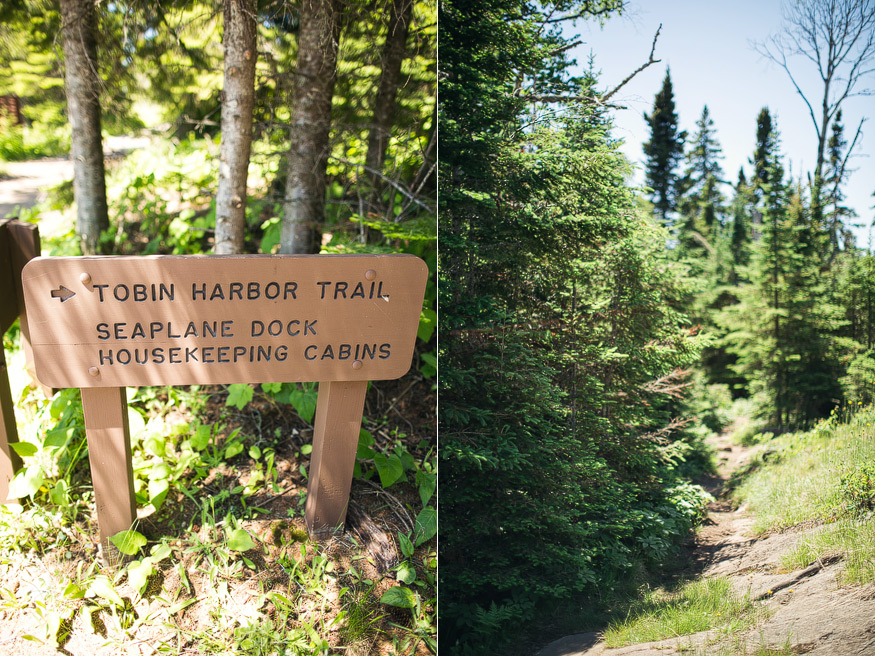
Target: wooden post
{"x": 335, "y": 439}
{"x": 19, "y": 243}
{"x": 9, "y": 460}
{"x": 109, "y": 452}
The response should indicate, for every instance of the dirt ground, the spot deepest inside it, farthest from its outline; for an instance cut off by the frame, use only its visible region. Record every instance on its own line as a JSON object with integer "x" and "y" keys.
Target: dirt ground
{"x": 809, "y": 612}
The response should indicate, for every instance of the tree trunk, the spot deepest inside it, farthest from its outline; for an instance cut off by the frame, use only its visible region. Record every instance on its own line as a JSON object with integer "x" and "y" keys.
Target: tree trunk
{"x": 238, "y": 99}
{"x": 83, "y": 108}
{"x": 394, "y": 50}
{"x": 304, "y": 204}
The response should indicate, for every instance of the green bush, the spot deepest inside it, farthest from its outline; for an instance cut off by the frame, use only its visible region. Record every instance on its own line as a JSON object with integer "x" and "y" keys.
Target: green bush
{"x": 857, "y": 487}
{"x": 19, "y": 143}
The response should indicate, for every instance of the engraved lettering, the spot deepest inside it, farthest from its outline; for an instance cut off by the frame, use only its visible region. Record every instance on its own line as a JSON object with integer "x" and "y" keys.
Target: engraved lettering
{"x": 123, "y": 356}
{"x": 271, "y": 286}
{"x": 340, "y": 288}
{"x": 226, "y": 329}
{"x": 323, "y": 285}
{"x": 195, "y": 292}
{"x": 290, "y": 289}
{"x": 217, "y": 293}
{"x": 307, "y": 352}
{"x": 309, "y": 325}
{"x": 121, "y": 292}
{"x": 223, "y": 353}
{"x": 100, "y": 289}
{"x": 358, "y": 291}
{"x": 236, "y": 288}
{"x": 103, "y": 331}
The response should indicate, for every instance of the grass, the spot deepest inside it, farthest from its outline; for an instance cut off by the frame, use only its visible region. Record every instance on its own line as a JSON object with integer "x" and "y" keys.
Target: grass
{"x": 800, "y": 474}
{"x": 696, "y": 606}
{"x": 852, "y": 537}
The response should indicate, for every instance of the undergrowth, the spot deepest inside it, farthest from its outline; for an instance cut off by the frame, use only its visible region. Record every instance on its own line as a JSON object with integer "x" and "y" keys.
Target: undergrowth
{"x": 826, "y": 476}
{"x": 219, "y": 560}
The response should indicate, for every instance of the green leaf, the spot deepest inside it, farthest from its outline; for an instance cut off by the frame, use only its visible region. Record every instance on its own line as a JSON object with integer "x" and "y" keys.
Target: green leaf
{"x": 307, "y": 449}
{"x": 427, "y": 324}
{"x": 426, "y": 525}
{"x": 160, "y": 552}
{"x": 24, "y": 449}
{"x": 201, "y": 438}
{"x": 26, "y": 482}
{"x": 366, "y": 441}
{"x": 233, "y": 449}
{"x": 240, "y": 540}
{"x": 405, "y": 544}
{"x": 239, "y": 394}
{"x": 139, "y": 573}
{"x": 399, "y": 597}
{"x": 271, "y": 388}
{"x": 128, "y": 542}
{"x": 389, "y": 468}
{"x": 426, "y": 483}
{"x": 74, "y": 591}
{"x": 58, "y": 438}
{"x": 136, "y": 424}
{"x": 101, "y": 587}
{"x": 305, "y": 403}
{"x": 158, "y": 489}
{"x": 254, "y": 452}
{"x": 58, "y": 493}
{"x": 405, "y": 573}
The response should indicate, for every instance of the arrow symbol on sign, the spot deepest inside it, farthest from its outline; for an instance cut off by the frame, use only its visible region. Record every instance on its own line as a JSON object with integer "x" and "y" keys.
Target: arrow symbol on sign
{"x": 63, "y": 293}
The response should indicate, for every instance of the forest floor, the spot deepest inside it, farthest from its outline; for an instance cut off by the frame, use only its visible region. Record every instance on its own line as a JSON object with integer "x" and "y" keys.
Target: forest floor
{"x": 804, "y": 611}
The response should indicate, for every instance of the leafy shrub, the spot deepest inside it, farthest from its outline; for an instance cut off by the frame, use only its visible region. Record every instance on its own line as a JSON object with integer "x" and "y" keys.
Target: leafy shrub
{"x": 19, "y": 143}
{"x": 857, "y": 487}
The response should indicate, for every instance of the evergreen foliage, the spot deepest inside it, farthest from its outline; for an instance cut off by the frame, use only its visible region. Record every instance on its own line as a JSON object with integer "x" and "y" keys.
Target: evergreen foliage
{"x": 664, "y": 151}
{"x": 562, "y": 349}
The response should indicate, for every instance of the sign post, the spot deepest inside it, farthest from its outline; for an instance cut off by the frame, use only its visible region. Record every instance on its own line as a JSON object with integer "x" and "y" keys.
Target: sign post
{"x": 106, "y": 323}
{"x": 19, "y": 242}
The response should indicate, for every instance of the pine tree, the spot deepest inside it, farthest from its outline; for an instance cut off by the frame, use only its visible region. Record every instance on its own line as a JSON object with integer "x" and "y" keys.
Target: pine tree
{"x": 700, "y": 198}
{"x": 664, "y": 151}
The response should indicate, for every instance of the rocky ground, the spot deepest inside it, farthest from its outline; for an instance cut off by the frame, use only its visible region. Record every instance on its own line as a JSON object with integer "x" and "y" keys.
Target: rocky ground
{"x": 808, "y": 611}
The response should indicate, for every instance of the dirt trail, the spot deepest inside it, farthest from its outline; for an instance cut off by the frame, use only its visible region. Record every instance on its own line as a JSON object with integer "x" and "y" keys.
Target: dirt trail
{"x": 809, "y": 612}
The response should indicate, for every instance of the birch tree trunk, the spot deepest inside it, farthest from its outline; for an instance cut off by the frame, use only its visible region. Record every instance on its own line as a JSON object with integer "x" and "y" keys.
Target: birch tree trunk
{"x": 83, "y": 108}
{"x": 394, "y": 50}
{"x": 304, "y": 204}
{"x": 239, "y": 41}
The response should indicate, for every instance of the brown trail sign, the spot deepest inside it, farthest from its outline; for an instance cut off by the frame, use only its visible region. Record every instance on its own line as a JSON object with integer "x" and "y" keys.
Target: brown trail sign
{"x": 106, "y": 323}
{"x": 19, "y": 242}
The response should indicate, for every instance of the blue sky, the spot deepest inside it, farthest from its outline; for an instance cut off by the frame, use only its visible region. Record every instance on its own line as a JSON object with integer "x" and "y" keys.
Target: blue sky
{"x": 707, "y": 44}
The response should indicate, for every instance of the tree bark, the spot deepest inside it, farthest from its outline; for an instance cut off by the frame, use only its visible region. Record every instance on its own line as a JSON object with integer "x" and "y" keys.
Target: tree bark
{"x": 394, "y": 51}
{"x": 304, "y": 204}
{"x": 83, "y": 108}
{"x": 238, "y": 100}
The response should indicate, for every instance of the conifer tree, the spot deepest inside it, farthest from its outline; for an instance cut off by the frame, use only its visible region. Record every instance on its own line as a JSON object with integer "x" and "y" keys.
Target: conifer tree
{"x": 700, "y": 198}
{"x": 664, "y": 151}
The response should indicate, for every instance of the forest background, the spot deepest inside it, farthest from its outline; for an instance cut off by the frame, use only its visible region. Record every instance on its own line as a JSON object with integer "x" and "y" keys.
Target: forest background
{"x": 273, "y": 127}
{"x": 593, "y": 332}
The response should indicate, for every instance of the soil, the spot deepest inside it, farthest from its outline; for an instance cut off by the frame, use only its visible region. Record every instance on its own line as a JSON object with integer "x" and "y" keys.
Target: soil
{"x": 809, "y": 612}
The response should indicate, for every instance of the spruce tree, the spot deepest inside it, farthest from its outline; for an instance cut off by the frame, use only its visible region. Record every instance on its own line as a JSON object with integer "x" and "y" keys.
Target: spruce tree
{"x": 664, "y": 151}
{"x": 700, "y": 199}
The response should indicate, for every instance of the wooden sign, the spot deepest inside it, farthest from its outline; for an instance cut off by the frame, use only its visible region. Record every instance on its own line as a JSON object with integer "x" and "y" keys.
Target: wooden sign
{"x": 19, "y": 242}
{"x": 131, "y": 321}
{"x": 106, "y": 323}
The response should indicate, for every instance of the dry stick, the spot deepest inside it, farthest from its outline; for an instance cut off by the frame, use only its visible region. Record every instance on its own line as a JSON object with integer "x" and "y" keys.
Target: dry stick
{"x": 405, "y": 518}
{"x": 650, "y": 60}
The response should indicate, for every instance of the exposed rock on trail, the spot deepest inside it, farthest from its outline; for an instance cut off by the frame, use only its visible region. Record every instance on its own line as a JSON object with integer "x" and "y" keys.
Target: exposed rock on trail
{"x": 809, "y": 612}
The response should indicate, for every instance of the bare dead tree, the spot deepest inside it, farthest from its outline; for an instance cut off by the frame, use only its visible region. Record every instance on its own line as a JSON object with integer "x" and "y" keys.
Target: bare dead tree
{"x": 238, "y": 99}
{"x": 838, "y": 38}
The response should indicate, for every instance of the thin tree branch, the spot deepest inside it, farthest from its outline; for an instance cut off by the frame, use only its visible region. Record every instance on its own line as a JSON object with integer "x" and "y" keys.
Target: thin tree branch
{"x": 650, "y": 61}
